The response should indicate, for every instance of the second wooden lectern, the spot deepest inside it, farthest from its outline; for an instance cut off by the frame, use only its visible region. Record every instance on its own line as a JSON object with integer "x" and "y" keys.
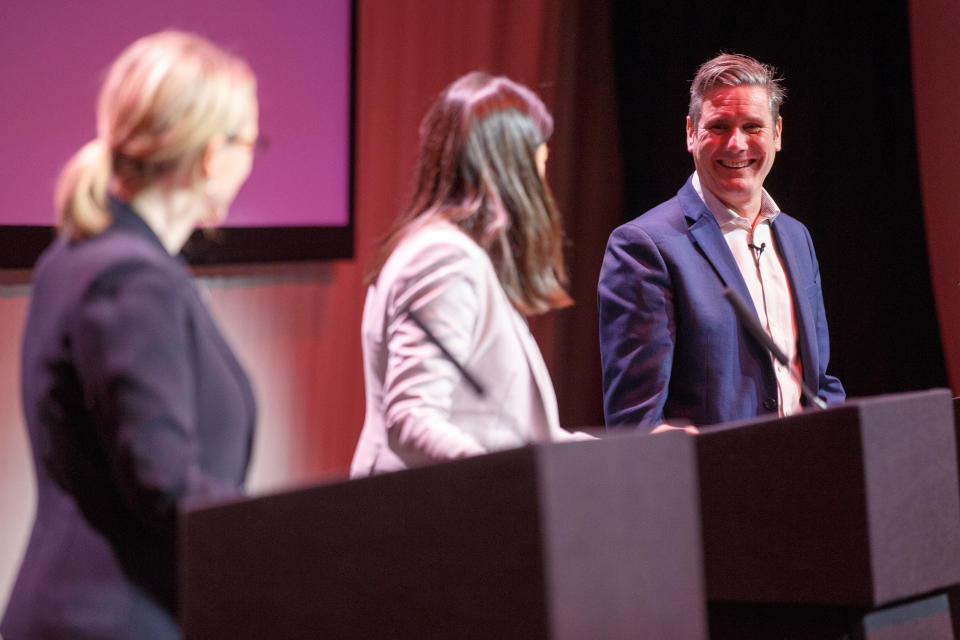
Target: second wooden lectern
{"x": 576, "y": 540}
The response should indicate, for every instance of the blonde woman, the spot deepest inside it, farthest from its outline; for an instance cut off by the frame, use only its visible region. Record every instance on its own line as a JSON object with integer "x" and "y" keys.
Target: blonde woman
{"x": 133, "y": 400}
{"x": 451, "y": 369}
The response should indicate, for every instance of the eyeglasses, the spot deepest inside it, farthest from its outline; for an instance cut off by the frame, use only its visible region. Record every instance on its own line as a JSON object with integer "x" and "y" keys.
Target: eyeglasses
{"x": 258, "y": 145}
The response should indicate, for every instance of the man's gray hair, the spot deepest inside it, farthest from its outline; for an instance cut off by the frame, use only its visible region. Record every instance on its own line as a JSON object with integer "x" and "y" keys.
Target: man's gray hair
{"x": 734, "y": 70}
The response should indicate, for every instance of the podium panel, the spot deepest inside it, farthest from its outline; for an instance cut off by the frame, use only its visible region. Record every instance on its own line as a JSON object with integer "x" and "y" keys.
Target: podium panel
{"x": 855, "y": 505}
{"x": 926, "y": 618}
{"x": 588, "y": 539}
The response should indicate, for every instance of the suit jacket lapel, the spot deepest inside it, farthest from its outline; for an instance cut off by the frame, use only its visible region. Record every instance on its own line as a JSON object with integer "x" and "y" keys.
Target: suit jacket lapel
{"x": 801, "y": 305}
{"x": 707, "y": 235}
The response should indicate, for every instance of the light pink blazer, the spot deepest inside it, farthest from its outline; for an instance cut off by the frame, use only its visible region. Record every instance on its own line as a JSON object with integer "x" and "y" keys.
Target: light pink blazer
{"x": 419, "y": 407}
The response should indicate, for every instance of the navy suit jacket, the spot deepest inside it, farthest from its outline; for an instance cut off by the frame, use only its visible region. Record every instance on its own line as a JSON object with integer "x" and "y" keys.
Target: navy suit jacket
{"x": 670, "y": 344}
{"x": 134, "y": 402}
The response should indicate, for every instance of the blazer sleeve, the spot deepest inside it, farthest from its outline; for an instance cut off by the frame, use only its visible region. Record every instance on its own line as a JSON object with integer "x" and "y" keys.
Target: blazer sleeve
{"x": 637, "y": 329}
{"x": 441, "y": 285}
{"x": 132, "y": 348}
{"x": 829, "y": 387}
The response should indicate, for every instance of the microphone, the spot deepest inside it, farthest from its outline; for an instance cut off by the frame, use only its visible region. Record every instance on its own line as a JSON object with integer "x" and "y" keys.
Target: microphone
{"x": 474, "y": 384}
{"x": 750, "y": 322}
{"x": 757, "y": 251}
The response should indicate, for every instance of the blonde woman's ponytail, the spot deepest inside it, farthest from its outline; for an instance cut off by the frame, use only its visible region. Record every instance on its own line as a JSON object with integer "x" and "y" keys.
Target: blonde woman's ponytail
{"x": 81, "y": 193}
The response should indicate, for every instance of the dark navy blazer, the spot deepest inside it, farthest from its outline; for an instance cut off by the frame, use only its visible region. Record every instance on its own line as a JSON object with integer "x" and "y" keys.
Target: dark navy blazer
{"x": 670, "y": 344}
{"x": 134, "y": 402}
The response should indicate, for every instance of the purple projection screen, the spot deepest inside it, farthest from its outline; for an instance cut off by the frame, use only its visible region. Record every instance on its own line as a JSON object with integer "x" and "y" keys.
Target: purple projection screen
{"x": 296, "y": 204}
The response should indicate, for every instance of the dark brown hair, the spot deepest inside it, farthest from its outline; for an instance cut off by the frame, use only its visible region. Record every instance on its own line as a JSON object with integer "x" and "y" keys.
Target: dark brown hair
{"x": 478, "y": 170}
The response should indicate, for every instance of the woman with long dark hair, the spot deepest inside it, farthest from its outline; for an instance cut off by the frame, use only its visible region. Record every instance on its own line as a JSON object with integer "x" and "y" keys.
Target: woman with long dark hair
{"x": 451, "y": 369}
{"x": 133, "y": 400}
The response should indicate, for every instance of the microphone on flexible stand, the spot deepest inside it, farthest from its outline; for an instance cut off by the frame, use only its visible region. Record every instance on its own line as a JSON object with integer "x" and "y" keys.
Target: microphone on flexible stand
{"x": 750, "y": 322}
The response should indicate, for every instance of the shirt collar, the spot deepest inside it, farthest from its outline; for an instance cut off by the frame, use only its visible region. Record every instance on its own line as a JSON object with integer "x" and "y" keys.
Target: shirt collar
{"x": 729, "y": 219}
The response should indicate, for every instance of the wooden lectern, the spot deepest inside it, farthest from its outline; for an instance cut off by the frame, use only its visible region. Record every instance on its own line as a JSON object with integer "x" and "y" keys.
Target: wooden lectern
{"x": 823, "y": 523}
{"x": 578, "y": 540}
{"x": 842, "y": 523}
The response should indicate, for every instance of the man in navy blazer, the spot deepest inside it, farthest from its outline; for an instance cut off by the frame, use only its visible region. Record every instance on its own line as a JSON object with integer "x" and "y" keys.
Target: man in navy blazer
{"x": 672, "y": 349}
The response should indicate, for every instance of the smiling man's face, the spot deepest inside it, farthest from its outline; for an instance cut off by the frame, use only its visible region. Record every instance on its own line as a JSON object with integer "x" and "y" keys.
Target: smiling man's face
{"x": 734, "y": 145}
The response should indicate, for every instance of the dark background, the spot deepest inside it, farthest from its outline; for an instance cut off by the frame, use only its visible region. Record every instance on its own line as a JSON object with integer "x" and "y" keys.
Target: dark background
{"x": 848, "y": 168}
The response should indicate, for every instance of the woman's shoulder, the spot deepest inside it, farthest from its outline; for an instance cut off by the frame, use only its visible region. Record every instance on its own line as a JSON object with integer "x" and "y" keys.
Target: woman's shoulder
{"x": 436, "y": 257}
{"x": 441, "y": 235}
{"x": 436, "y": 244}
{"x": 111, "y": 260}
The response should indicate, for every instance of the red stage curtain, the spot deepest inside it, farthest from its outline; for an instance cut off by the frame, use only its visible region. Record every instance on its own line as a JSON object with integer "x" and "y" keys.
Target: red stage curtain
{"x": 410, "y": 49}
{"x": 934, "y": 25}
